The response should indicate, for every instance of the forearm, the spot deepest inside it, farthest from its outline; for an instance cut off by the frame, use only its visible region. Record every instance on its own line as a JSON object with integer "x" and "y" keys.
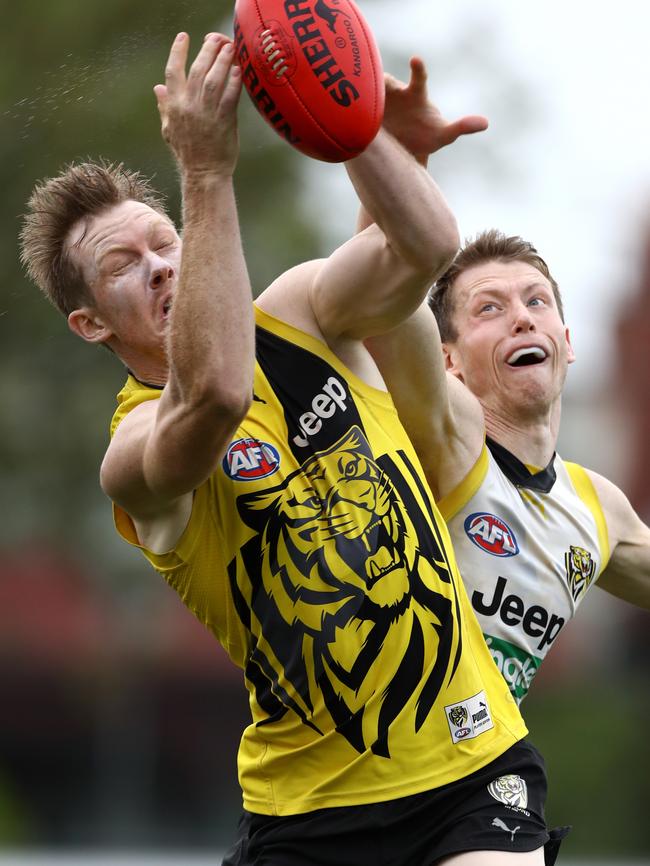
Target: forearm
{"x": 403, "y": 200}
{"x": 211, "y": 335}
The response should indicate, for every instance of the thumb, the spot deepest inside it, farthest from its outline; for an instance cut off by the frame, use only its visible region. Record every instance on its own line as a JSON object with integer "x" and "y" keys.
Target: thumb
{"x": 465, "y": 126}
{"x": 160, "y": 92}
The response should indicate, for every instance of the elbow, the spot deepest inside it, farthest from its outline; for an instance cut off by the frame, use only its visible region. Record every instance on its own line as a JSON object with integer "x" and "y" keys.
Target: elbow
{"x": 435, "y": 250}
{"x": 231, "y": 405}
{"x": 442, "y": 247}
{"x": 448, "y": 244}
{"x": 226, "y": 403}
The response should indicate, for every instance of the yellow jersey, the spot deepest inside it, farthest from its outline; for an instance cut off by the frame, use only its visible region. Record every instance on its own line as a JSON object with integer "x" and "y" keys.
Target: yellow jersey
{"x": 317, "y": 557}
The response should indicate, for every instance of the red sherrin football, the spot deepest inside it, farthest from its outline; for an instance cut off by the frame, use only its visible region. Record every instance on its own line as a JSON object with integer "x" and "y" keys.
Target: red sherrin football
{"x": 313, "y": 71}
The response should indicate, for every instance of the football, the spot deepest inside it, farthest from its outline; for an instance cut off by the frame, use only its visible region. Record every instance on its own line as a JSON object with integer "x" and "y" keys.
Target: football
{"x": 313, "y": 71}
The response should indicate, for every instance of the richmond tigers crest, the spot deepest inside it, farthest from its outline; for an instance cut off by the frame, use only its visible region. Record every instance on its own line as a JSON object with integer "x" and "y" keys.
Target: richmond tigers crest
{"x": 458, "y": 716}
{"x": 353, "y": 625}
{"x": 580, "y": 569}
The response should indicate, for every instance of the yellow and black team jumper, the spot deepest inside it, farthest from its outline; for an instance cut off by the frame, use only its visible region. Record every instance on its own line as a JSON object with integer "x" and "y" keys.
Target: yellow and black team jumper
{"x": 317, "y": 557}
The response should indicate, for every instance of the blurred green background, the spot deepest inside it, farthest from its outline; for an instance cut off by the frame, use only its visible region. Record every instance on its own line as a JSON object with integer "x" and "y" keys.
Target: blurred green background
{"x": 119, "y": 717}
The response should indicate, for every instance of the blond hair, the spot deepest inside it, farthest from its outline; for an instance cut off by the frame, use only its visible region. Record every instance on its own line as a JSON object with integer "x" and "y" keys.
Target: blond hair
{"x": 80, "y": 191}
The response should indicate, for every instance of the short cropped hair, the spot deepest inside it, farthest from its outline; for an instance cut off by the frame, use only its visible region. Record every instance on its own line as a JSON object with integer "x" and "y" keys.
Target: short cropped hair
{"x": 80, "y": 191}
{"x": 491, "y": 245}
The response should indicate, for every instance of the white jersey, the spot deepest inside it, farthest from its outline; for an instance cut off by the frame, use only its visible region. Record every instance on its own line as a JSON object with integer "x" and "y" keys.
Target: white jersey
{"x": 529, "y": 546}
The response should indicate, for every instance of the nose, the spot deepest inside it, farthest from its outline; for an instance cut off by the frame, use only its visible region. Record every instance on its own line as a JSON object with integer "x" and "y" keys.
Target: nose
{"x": 523, "y": 321}
{"x": 161, "y": 273}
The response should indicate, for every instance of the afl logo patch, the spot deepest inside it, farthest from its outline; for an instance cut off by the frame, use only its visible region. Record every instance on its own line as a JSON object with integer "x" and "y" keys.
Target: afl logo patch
{"x": 250, "y": 459}
{"x": 491, "y": 534}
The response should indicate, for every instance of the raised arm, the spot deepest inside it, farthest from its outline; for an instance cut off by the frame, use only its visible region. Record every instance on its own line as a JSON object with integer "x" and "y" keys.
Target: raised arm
{"x": 380, "y": 276}
{"x": 443, "y": 419}
{"x": 627, "y": 574}
{"x": 165, "y": 448}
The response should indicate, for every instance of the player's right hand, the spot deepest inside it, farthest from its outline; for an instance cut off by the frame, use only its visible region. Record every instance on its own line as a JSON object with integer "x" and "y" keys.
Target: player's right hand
{"x": 416, "y": 122}
{"x": 198, "y": 110}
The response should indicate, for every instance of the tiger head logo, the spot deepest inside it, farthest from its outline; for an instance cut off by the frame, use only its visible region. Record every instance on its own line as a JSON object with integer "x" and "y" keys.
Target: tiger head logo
{"x": 511, "y": 790}
{"x": 334, "y": 569}
{"x": 580, "y": 569}
{"x": 458, "y": 716}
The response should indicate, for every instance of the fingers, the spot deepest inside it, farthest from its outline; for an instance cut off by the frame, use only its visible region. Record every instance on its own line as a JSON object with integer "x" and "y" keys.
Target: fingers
{"x": 418, "y": 80}
{"x": 175, "y": 68}
{"x": 160, "y": 92}
{"x": 465, "y": 126}
{"x": 216, "y": 77}
{"x": 393, "y": 84}
{"x": 209, "y": 51}
{"x": 232, "y": 90}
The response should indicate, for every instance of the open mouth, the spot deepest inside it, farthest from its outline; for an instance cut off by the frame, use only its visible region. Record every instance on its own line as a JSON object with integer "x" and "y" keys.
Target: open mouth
{"x": 385, "y": 557}
{"x": 527, "y": 357}
{"x": 167, "y": 307}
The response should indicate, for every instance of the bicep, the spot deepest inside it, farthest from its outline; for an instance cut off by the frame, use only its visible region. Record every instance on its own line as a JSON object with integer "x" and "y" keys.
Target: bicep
{"x": 410, "y": 360}
{"x": 161, "y": 452}
{"x": 364, "y": 288}
{"x": 443, "y": 420}
{"x": 627, "y": 574}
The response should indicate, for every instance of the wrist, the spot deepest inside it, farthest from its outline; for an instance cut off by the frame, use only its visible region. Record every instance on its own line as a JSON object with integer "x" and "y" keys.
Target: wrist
{"x": 205, "y": 178}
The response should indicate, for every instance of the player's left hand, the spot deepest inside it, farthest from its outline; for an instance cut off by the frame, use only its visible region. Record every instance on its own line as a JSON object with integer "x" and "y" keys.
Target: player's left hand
{"x": 198, "y": 110}
{"x": 416, "y": 122}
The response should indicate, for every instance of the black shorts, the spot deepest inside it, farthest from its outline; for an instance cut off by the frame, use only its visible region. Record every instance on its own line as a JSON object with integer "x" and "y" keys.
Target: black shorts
{"x": 498, "y": 808}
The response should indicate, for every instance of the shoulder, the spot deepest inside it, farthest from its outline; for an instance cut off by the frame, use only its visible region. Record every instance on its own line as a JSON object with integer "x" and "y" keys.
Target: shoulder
{"x": 622, "y": 521}
{"x": 132, "y": 394}
{"x": 288, "y": 297}
{"x": 612, "y": 499}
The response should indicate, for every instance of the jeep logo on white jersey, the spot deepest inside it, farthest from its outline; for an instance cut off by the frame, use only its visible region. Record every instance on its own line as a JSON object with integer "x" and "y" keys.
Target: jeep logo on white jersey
{"x": 324, "y": 405}
{"x": 511, "y": 609}
{"x": 491, "y": 534}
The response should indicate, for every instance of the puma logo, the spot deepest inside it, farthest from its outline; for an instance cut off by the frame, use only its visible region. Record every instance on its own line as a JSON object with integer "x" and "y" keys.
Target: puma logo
{"x": 497, "y": 822}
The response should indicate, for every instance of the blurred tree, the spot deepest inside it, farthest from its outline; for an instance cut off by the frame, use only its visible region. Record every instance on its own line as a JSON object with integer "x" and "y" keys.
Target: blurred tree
{"x": 77, "y": 81}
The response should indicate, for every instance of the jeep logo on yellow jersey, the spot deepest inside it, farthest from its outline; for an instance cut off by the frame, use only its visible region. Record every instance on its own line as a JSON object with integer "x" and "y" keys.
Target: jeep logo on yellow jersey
{"x": 323, "y": 406}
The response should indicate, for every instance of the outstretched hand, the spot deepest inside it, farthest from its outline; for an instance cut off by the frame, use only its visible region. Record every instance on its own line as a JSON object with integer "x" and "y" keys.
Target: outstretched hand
{"x": 416, "y": 122}
{"x": 198, "y": 109}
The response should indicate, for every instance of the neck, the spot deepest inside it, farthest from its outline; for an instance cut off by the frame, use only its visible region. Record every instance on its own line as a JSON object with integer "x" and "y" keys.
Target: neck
{"x": 151, "y": 369}
{"x": 531, "y": 439}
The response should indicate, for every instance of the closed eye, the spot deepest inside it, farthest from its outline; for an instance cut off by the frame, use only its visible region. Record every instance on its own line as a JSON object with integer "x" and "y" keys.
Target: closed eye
{"x": 163, "y": 243}
{"x": 120, "y": 267}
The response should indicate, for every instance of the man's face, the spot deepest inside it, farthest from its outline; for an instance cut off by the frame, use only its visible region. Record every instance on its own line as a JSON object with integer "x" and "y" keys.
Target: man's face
{"x": 512, "y": 349}
{"x": 129, "y": 256}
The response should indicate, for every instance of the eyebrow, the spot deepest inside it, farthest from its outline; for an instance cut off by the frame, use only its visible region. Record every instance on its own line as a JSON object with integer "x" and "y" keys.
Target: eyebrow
{"x": 154, "y": 228}
{"x": 115, "y": 249}
{"x": 500, "y": 292}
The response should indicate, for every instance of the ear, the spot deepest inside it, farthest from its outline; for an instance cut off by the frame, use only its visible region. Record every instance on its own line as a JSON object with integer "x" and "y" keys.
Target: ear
{"x": 88, "y": 325}
{"x": 451, "y": 360}
{"x": 570, "y": 353}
